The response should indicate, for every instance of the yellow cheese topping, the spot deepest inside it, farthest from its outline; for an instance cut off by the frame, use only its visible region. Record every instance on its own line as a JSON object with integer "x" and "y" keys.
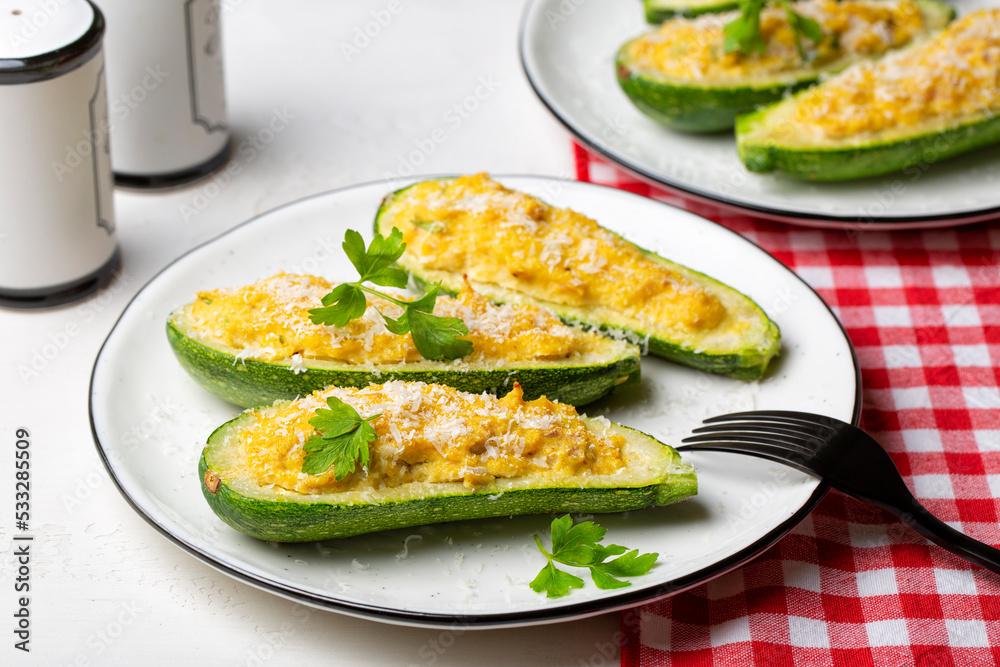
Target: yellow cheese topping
{"x": 693, "y": 49}
{"x": 954, "y": 75}
{"x": 505, "y": 237}
{"x": 434, "y": 434}
{"x": 269, "y": 320}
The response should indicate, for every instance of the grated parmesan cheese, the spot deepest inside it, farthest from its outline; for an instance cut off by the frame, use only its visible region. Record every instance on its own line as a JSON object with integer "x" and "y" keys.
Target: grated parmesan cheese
{"x": 269, "y": 320}
{"x": 693, "y": 49}
{"x": 565, "y": 258}
{"x": 434, "y": 434}
{"x": 955, "y": 75}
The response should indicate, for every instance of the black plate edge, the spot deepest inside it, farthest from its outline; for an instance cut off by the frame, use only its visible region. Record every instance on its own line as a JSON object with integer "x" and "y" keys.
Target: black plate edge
{"x": 850, "y": 223}
{"x": 494, "y": 621}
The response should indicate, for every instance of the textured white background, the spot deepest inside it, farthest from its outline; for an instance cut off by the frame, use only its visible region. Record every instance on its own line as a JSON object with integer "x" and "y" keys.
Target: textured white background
{"x": 106, "y": 588}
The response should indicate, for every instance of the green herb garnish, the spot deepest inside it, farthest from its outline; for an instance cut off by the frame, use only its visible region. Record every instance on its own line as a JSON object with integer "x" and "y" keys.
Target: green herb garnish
{"x": 743, "y": 33}
{"x": 435, "y": 337}
{"x": 803, "y": 26}
{"x": 578, "y": 546}
{"x": 341, "y": 440}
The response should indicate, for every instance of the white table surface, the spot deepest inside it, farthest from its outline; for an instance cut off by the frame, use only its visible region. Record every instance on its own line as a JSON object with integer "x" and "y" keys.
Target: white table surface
{"x": 106, "y": 588}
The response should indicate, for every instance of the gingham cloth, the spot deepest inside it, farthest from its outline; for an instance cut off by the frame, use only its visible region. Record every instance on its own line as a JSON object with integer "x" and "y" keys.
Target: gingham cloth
{"x": 851, "y": 585}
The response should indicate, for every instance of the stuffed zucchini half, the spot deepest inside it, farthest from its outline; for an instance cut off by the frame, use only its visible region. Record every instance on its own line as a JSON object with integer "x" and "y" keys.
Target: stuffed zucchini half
{"x": 905, "y": 112}
{"x": 515, "y": 248}
{"x": 681, "y": 76}
{"x": 438, "y": 455}
{"x": 658, "y": 11}
{"x": 256, "y": 344}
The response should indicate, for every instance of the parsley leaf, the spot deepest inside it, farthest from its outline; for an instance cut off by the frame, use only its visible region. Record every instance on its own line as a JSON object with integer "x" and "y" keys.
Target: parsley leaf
{"x": 341, "y": 440}
{"x": 803, "y": 26}
{"x": 554, "y": 581}
{"x": 578, "y": 546}
{"x": 743, "y": 33}
{"x": 377, "y": 263}
{"x": 435, "y": 337}
{"x": 345, "y": 303}
{"x": 438, "y": 337}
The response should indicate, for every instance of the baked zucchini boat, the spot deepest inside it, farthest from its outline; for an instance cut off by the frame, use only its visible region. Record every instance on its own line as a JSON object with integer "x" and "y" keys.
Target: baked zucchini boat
{"x": 256, "y": 344}
{"x": 658, "y": 11}
{"x": 905, "y": 112}
{"x": 439, "y": 455}
{"x": 515, "y": 248}
{"x": 681, "y": 76}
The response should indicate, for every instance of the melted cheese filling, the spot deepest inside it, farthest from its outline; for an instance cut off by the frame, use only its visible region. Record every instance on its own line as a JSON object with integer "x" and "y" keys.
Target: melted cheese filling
{"x": 432, "y": 434}
{"x": 955, "y": 75}
{"x": 500, "y": 236}
{"x": 269, "y": 320}
{"x": 693, "y": 49}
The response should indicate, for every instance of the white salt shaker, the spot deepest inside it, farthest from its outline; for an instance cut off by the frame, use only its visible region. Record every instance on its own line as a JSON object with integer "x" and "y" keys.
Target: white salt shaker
{"x": 166, "y": 87}
{"x": 57, "y": 226}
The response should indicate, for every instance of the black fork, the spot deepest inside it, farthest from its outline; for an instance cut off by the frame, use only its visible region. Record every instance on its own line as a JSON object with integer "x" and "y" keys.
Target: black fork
{"x": 845, "y": 457}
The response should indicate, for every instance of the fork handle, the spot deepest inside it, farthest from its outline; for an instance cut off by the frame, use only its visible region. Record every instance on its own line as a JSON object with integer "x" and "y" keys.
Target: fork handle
{"x": 945, "y": 536}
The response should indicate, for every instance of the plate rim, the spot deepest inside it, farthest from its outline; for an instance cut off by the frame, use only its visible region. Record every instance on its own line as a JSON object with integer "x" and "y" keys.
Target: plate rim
{"x": 470, "y": 621}
{"x": 833, "y": 221}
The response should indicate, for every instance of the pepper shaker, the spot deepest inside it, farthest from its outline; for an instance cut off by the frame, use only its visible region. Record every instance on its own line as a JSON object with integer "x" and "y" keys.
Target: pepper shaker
{"x": 57, "y": 229}
{"x": 166, "y": 90}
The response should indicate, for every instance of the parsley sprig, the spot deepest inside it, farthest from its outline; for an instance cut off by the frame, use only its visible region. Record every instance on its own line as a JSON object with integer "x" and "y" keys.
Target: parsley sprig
{"x": 803, "y": 26}
{"x": 341, "y": 440}
{"x": 435, "y": 337}
{"x": 578, "y": 546}
{"x": 743, "y": 33}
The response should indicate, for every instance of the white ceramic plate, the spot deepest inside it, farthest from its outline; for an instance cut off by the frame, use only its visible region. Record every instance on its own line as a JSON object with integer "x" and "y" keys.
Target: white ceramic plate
{"x": 150, "y": 421}
{"x": 568, "y": 51}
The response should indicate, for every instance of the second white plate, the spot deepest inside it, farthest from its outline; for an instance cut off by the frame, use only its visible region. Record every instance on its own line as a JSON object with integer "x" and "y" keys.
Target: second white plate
{"x": 568, "y": 51}
{"x": 150, "y": 421}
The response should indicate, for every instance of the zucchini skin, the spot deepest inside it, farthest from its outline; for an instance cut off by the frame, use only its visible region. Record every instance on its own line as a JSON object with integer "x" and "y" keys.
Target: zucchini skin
{"x": 658, "y": 11}
{"x": 841, "y": 164}
{"x": 747, "y": 364}
{"x": 696, "y": 109}
{"x": 699, "y": 109}
{"x": 305, "y": 521}
{"x": 252, "y": 383}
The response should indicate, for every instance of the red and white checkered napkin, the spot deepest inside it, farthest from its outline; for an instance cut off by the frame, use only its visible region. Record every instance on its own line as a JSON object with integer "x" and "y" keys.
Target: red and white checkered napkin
{"x": 851, "y": 585}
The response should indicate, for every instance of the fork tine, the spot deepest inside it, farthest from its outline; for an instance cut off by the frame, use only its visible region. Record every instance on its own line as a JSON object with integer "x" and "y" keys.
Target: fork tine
{"x": 786, "y": 417}
{"x": 741, "y": 437}
{"x": 798, "y": 426}
{"x": 777, "y": 433}
{"x": 763, "y": 451}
